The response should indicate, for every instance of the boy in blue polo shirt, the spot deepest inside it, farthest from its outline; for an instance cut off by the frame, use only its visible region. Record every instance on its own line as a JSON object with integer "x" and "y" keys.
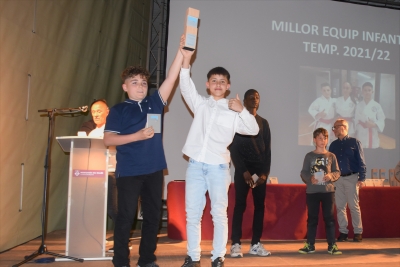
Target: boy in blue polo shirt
{"x": 140, "y": 160}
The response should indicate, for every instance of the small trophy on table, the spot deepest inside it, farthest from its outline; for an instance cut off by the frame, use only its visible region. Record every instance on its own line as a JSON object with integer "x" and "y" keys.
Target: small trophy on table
{"x": 190, "y": 31}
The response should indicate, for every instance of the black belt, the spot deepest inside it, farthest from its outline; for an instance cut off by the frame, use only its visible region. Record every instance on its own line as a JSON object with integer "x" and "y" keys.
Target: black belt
{"x": 344, "y": 175}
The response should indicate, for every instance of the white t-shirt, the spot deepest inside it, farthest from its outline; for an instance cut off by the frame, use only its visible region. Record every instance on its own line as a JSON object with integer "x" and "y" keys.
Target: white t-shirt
{"x": 98, "y": 132}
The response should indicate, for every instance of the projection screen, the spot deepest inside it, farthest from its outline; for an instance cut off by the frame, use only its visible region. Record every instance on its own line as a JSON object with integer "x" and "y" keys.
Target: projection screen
{"x": 286, "y": 50}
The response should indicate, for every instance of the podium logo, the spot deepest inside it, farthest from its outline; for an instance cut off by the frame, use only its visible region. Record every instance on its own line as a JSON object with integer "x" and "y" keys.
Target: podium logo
{"x": 89, "y": 173}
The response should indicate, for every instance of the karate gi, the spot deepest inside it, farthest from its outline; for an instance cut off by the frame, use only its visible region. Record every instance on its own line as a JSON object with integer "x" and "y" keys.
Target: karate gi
{"x": 346, "y": 110}
{"x": 373, "y": 111}
{"x": 328, "y": 106}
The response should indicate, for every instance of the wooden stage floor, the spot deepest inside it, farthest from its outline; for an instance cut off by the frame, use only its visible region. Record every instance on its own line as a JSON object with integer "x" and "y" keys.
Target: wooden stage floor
{"x": 171, "y": 253}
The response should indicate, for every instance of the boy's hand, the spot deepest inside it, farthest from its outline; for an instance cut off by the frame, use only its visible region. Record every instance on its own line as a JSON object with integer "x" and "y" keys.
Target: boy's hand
{"x": 187, "y": 54}
{"x": 320, "y": 115}
{"x": 261, "y": 180}
{"x": 370, "y": 123}
{"x": 313, "y": 180}
{"x": 248, "y": 179}
{"x": 327, "y": 178}
{"x": 146, "y": 133}
{"x": 235, "y": 104}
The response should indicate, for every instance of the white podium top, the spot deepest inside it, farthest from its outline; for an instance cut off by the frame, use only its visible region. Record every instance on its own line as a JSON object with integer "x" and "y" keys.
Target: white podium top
{"x": 80, "y": 142}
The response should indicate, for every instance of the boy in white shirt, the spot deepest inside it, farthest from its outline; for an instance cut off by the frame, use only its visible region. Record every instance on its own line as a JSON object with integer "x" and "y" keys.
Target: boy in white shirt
{"x": 370, "y": 119}
{"x": 323, "y": 109}
{"x": 216, "y": 120}
{"x": 346, "y": 107}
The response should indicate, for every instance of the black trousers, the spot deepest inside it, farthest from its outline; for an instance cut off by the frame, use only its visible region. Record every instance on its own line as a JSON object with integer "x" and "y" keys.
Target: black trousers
{"x": 112, "y": 202}
{"x": 149, "y": 188}
{"x": 314, "y": 201}
{"x": 242, "y": 190}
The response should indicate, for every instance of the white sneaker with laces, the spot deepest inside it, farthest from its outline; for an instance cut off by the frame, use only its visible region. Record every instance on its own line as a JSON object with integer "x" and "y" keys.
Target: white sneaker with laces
{"x": 258, "y": 249}
{"x": 236, "y": 251}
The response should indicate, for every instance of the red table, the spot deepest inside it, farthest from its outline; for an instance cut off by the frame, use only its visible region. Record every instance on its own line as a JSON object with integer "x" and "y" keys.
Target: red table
{"x": 286, "y": 215}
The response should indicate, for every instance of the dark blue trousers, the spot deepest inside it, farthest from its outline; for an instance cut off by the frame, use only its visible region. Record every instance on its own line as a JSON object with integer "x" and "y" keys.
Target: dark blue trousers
{"x": 314, "y": 201}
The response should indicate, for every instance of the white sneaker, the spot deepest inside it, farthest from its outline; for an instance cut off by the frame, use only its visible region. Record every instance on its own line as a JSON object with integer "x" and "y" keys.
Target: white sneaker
{"x": 258, "y": 249}
{"x": 236, "y": 251}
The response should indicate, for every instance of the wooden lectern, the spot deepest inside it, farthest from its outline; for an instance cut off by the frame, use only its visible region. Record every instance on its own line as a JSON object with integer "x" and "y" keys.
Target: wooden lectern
{"x": 87, "y": 197}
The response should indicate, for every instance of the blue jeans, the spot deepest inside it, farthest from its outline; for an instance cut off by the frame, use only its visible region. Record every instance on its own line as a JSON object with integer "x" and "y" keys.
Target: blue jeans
{"x": 200, "y": 178}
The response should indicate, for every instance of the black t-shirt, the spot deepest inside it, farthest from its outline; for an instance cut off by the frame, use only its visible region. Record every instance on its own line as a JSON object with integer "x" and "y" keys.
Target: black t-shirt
{"x": 253, "y": 153}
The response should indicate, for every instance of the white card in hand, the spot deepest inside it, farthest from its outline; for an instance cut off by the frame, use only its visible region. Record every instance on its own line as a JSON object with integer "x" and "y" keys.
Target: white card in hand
{"x": 319, "y": 176}
{"x": 154, "y": 120}
{"x": 255, "y": 178}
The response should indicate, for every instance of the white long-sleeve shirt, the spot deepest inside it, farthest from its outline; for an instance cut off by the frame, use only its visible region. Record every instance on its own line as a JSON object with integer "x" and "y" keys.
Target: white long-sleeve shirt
{"x": 214, "y": 124}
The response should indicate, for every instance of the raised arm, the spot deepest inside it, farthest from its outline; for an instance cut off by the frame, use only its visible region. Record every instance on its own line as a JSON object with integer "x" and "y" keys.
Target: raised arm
{"x": 169, "y": 82}
{"x": 187, "y": 56}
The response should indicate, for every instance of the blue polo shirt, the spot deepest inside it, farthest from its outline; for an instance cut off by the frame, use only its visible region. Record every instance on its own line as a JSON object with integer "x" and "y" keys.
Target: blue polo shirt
{"x": 141, "y": 157}
{"x": 350, "y": 156}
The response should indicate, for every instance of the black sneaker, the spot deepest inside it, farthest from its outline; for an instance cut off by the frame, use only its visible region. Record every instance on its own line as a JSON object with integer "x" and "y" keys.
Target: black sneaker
{"x": 342, "y": 237}
{"x": 333, "y": 249}
{"x": 308, "y": 248}
{"x": 357, "y": 238}
{"x": 218, "y": 262}
{"x": 190, "y": 263}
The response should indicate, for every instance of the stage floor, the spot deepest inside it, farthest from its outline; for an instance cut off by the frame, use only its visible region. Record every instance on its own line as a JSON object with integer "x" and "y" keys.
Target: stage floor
{"x": 171, "y": 253}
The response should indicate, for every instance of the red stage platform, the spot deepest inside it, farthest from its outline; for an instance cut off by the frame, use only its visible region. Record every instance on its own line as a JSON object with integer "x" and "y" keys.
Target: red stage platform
{"x": 286, "y": 215}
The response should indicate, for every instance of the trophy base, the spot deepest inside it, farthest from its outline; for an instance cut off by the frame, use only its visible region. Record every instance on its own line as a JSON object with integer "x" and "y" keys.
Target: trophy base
{"x": 188, "y": 48}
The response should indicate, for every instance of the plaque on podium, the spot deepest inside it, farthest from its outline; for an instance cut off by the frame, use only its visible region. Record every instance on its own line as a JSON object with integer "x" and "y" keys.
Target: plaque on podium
{"x": 87, "y": 196}
{"x": 190, "y": 31}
